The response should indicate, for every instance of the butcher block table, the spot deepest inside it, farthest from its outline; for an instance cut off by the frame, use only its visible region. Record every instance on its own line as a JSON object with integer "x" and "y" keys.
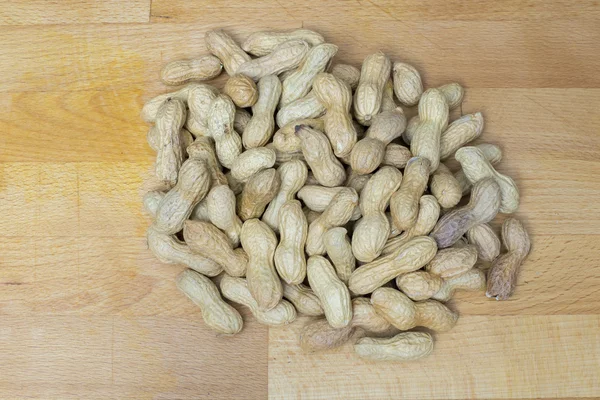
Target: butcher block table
{"x": 86, "y": 312}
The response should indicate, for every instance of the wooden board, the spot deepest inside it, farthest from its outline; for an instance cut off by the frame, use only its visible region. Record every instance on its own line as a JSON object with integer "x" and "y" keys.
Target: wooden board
{"x": 87, "y": 312}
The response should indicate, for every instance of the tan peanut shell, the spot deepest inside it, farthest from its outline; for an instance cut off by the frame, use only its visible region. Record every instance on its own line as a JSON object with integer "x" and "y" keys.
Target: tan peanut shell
{"x": 183, "y": 71}
{"x": 453, "y": 93}
{"x": 419, "y": 285}
{"x": 203, "y": 148}
{"x": 368, "y": 153}
{"x": 151, "y": 201}
{"x": 339, "y": 251}
{"x": 429, "y": 212}
{"x": 153, "y": 138}
{"x": 444, "y": 186}
{"x": 405, "y": 314}
{"x": 317, "y": 198}
{"x": 307, "y": 107}
{"x": 482, "y": 208}
{"x": 234, "y": 184}
{"x": 373, "y": 229}
{"x": 408, "y": 86}
{"x": 260, "y": 189}
{"x": 168, "y": 249}
{"x": 387, "y": 99}
{"x": 311, "y": 215}
{"x": 303, "y": 298}
{"x": 262, "y": 43}
{"x": 410, "y": 257}
{"x": 242, "y": 90}
{"x": 226, "y": 49}
{"x": 336, "y": 96}
{"x": 433, "y": 118}
{"x": 355, "y": 180}
{"x": 460, "y": 132}
{"x": 330, "y": 290}
{"x": 374, "y": 74}
{"x": 241, "y": 119}
{"x": 338, "y": 213}
{"x": 319, "y": 156}
{"x": 259, "y": 242}
{"x": 406, "y": 346}
{"x": 411, "y": 127}
{"x": 482, "y": 236}
{"x": 216, "y": 313}
{"x": 289, "y": 258}
{"x": 319, "y": 335}
{"x": 404, "y": 204}
{"x": 366, "y": 318}
{"x": 169, "y": 121}
{"x": 347, "y": 73}
{"x": 396, "y": 155}
{"x": 300, "y": 81}
{"x": 283, "y": 157}
{"x": 286, "y": 140}
{"x": 236, "y": 290}
{"x": 200, "y": 212}
{"x": 453, "y": 261}
{"x": 178, "y": 203}
{"x": 228, "y": 143}
{"x": 491, "y": 152}
{"x": 286, "y": 56}
{"x": 207, "y": 240}
{"x": 292, "y": 175}
{"x": 472, "y": 280}
{"x": 261, "y": 126}
{"x": 220, "y": 202}
{"x": 502, "y": 277}
{"x": 477, "y": 167}
{"x": 199, "y": 99}
{"x": 150, "y": 108}
{"x": 251, "y": 162}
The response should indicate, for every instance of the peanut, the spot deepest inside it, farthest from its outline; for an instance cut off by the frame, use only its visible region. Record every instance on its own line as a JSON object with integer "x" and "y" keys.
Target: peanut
{"x": 429, "y": 212}
{"x": 251, "y": 162}
{"x": 286, "y": 56}
{"x": 330, "y": 290}
{"x": 242, "y": 90}
{"x": 486, "y": 242}
{"x": 317, "y": 198}
{"x": 405, "y": 314}
{"x": 303, "y": 298}
{"x": 336, "y": 96}
{"x": 472, "y": 280}
{"x": 366, "y": 318}
{"x": 216, "y": 313}
{"x": 289, "y": 258}
{"x": 337, "y": 213}
{"x": 355, "y": 180}
{"x": 404, "y": 204}
{"x": 234, "y": 184}
{"x": 170, "y": 250}
{"x": 152, "y": 200}
{"x": 319, "y": 156}
{"x": 286, "y": 140}
{"x": 433, "y": 118}
{"x": 319, "y": 335}
{"x": 283, "y": 157}
{"x": 292, "y": 175}
{"x": 374, "y": 74}
{"x": 339, "y": 251}
{"x": 311, "y": 215}
{"x": 502, "y": 277}
{"x": 261, "y": 126}
{"x": 220, "y": 202}
{"x": 407, "y": 346}
{"x": 387, "y": 99}
{"x": 257, "y": 193}
{"x": 151, "y": 107}
{"x": 407, "y": 258}
{"x": 299, "y": 82}
{"x": 200, "y": 212}
{"x": 444, "y": 186}
{"x": 262, "y": 43}
{"x": 477, "y": 167}
{"x": 411, "y": 127}
{"x": 453, "y": 261}
{"x": 207, "y": 240}
{"x": 259, "y": 243}
{"x": 369, "y": 152}
{"x": 347, "y": 73}
{"x": 482, "y": 208}
{"x": 236, "y": 290}
{"x": 153, "y": 138}
{"x": 178, "y": 203}
{"x": 169, "y": 121}
{"x": 419, "y": 285}
{"x": 203, "y": 148}
{"x": 241, "y": 119}
{"x": 460, "y": 132}
{"x": 183, "y": 71}
{"x": 396, "y": 155}
{"x": 408, "y": 86}
{"x": 199, "y": 99}
{"x": 228, "y": 143}
{"x": 453, "y": 93}
{"x": 226, "y": 49}
{"x": 372, "y": 230}
{"x": 491, "y": 152}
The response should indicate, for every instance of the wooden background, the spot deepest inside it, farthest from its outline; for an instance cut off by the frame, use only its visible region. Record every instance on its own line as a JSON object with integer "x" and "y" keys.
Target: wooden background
{"x": 85, "y": 310}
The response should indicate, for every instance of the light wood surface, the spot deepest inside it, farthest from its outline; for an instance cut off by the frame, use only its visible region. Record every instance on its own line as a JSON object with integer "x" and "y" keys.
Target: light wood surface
{"x": 87, "y": 312}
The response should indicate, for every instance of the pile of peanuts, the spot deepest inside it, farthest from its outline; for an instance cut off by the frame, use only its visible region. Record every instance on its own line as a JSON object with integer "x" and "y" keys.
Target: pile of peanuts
{"x": 300, "y": 188}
